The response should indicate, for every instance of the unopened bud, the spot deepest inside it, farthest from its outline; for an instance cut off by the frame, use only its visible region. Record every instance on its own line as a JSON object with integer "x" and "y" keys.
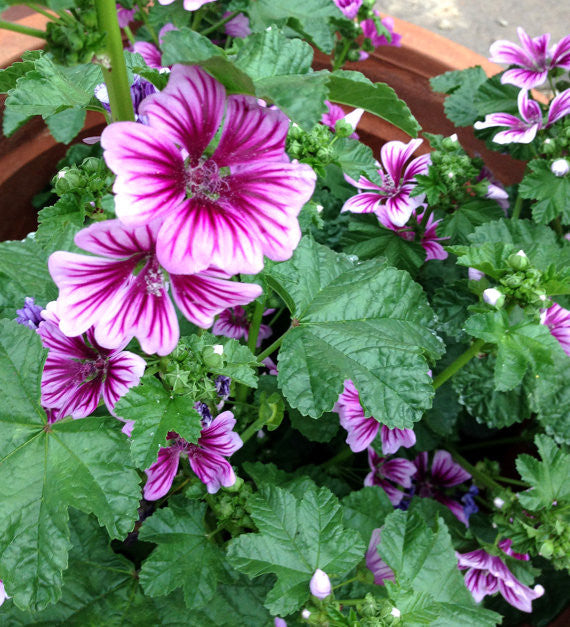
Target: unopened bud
{"x": 320, "y": 584}
{"x": 278, "y": 622}
{"x": 211, "y": 357}
{"x": 474, "y": 274}
{"x": 218, "y": 349}
{"x": 518, "y": 261}
{"x": 560, "y": 167}
{"x": 305, "y": 613}
{"x": 396, "y": 612}
{"x": 494, "y": 297}
{"x": 498, "y": 502}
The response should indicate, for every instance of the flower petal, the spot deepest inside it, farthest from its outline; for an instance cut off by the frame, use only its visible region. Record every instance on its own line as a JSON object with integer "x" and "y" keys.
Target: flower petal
{"x": 212, "y": 469}
{"x": 393, "y": 439}
{"x": 112, "y": 238}
{"x": 367, "y": 202}
{"x": 161, "y": 474}
{"x": 219, "y": 438}
{"x": 446, "y": 472}
{"x": 394, "y": 155}
{"x": 124, "y": 371}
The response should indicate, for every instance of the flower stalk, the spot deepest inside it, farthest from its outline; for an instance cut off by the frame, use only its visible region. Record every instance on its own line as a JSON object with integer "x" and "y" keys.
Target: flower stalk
{"x": 461, "y": 361}
{"x": 24, "y": 30}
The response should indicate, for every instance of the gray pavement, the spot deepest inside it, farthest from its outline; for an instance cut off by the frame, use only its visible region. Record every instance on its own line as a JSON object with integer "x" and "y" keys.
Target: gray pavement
{"x": 477, "y": 24}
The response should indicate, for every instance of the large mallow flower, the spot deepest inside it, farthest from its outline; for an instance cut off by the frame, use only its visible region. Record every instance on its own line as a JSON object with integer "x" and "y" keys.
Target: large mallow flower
{"x": 207, "y": 458}
{"x": 388, "y": 474}
{"x": 488, "y": 574}
{"x": 363, "y": 430}
{"x": 392, "y": 200}
{"x": 123, "y": 292}
{"x": 533, "y": 58}
{"x": 557, "y": 319}
{"x": 523, "y": 130}
{"x": 78, "y": 371}
{"x": 227, "y": 208}
{"x": 434, "y": 482}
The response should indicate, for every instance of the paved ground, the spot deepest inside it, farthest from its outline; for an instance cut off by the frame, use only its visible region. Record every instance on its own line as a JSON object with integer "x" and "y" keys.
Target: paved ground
{"x": 477, "y": 23}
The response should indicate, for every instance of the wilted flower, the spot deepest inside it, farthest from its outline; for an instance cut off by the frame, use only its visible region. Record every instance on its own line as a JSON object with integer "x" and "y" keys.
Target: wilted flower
{"x": 388, "y": 473}
{"x": 505, "y": 545}
{"x": 30, "y": 315}
{"x": 375, "y": 564}
{"x": 392, "y": 200}
{"x": 488, "y": 574}
{"x": 362, "y": 430}
{"x": 560, "y": 167}
{"x": 140, "y": 89}
{"x": 534, "y": 58}
{"x": 223, "y": 386}
{"x": 125, "y": 16}
{"x": 320, "y": 584}
{"x": 336, "y": 113}
{"x": 370, "y": 30}
{"x": 207, "y": 458}
{"x": 226, "y": 210}
{"x": 557, "y": 319}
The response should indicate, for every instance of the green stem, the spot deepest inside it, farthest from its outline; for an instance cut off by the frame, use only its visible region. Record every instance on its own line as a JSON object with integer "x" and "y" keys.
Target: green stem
{"x": 517, "y": 207}
{"x": 464, "y": 358}
{"x": 253, "y": 428}
{"x": 254, "y": 326}
{"x": 479, "y": 477}
{"x": 39, "y": 9}
{"x": 129, "y": 34}
{"x": 217, "y": 25}
{"x": 350, "y": 601}
{"x": 25, "y": 30}
{"x": 198, "y": 15}
{"x": 339, "y": 61}
{"x": 522, "y": 484}
{"x": 149, "y": 28}
{"x": 551, "y": 83}
{"x": 272, "y": 348}
{"x": 344, "y": 583}
{"x": 115, "y": 75}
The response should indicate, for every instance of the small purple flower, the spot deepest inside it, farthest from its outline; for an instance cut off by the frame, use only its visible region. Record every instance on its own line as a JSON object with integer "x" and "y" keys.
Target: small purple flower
{"x": 534, "y": 58}
{"x": 388, "y": 473}
{"x": 30, "y": 315}
{"x": 204, "y": 411}
{"x": 557, "y": 319}
{"x": 227, "y": 209}
{"x": 392, "y": 200}
{"x": 233, "y": 322}
{"x": 78, "y": 371}
{"x": 362, "y": 430}
{"x": 375, "y": 564}
{"x": 125, "y": 16}
{"x": 523, "y": 130}
{"x": 3, "y": 595}
{"x": 207, "y": 458}
{"x": 336, "y": 113}
{"x": 123, "y": 292}
{"x": 370, "y": 31}
{"x": 474, "y": 274}
{"x": 505, "y": 545}
{"x": 140, "y": 89}
{"x": 495, "y": 192}
{"x": 444, "y": 474}
{"x": 238, "y": 26}
{"x": 223, "y": 386}
{"x": 488, "y": 574}
{"x": 270, "y": 365}
{"x": 349, "y": 8}
{"x": 279, "y": 622}
{"x": 468, "y": 501}
{"x": 320, "y": 584}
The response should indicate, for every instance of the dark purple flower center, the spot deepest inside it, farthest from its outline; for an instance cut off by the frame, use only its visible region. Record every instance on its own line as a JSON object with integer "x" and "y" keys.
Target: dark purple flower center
{"x": 205, "y": 181}
{"x": 90, "y": 369}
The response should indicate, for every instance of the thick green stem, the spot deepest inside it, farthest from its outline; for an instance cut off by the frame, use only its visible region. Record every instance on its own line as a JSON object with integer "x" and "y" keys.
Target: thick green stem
{"x": 465, "y": 357}
{"x": 517, "y": 208}
{"x": 217, "y": 25}
{"x": 272, "y": 348}
{"x": 254, "y": 326}
{"x": 339, "y": 61}
{"x": 25, "y": 30}
{"x": 115, "y": 74}
{"x": 253, "y": 428}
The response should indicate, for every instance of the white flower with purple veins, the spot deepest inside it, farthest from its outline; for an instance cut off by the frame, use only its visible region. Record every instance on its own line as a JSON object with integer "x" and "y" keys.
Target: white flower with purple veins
{"x": 388, "y": 474}
{"x": 523, "y": 130}
{"x": 488, "y": 574}
{"x": 362, "y": 430}
{"x": 123, "y": 291}
{"x": 78, "y": 371}
{"x": 533, "y": 58}
{"x": 560, "y": 167}
{"x": 207, "y": 458}
{"x": 375, "y": 564}
{"x": 557, "y": 319}
{"x": 225, "y": 209}
{"x": 392, "y": 199}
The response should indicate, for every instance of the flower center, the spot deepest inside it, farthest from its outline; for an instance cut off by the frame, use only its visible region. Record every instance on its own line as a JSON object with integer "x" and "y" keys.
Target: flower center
{"x": 91, "y": 369}
{"x": 205, "y": 181}
{"x": 154, "y": 281}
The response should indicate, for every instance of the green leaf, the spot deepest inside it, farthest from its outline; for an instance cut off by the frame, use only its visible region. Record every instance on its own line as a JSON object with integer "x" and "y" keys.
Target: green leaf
{"x": 462, "y": 85}
{"x": 155, "y": 412}
{"x": 476, "y": 391}
{"x": 425, "y": 567}
{"x": 355, "y": 90}
{"x": 365, "y": 322}
{"x": 184, "y": 558}
{"x": 44, "y": 469}
{"x": 65, "y": 125}
{"x": 450, "y": 303}
{"x": 464, "y": 220}
{"x": 548, "y": 477}
{"x": 552, "y": 191}
{"x": 365, "y": 510}
{"x": 551, "y": 401}
{"x": 59, "y": 223}
{"x": 493, "y": 96}
{"x": 10, "y": 75}
{"x": 520, "y": 346}
{"x": 296, "y": 536}
{"x": 322, "y": 430}
{"x": 355, "y": 159}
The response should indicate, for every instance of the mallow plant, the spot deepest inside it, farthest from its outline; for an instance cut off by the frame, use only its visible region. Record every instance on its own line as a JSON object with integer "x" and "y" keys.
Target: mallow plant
{"x": 252, "y": 372}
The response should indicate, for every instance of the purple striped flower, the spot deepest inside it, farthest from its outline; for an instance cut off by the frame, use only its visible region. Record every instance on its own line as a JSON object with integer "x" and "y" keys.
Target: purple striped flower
{"x": 375, "y": 564}
{"x": 233, "y": 322}
{"x": 226, "y": 210}
{"x": 488, "y": 574}
{"x": 207, "y": 458}
{"x": 557, "y": 319}
{"x": 349, "y": 8}
{"x": 30, "y": 315}
{"x": 78, "y": 372}
{"x": 152, "y": 55}
{"x": 363, "y": 430}
{"x": 392, "y": 200}
{"x": 388, "y": 474}
{"x": 505, "y": 545}
{"x": 123, "y": 292}
{"x": 370, "y": 31}
{"x": 444, "y": 474}
{"x": 523, "y": 130}
{"x": 3, "y": 595}
{"x": 533, "y": 58}
{"x": 335, "y": 113}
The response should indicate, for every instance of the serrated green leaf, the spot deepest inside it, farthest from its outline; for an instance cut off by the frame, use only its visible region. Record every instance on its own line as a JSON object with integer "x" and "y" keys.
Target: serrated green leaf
{"x": 493, "y": 96}
{"x": 184, "y": 558}
{"x": 365, "y": 510}
{"x": 10, "y": 75}
{"x": 552, "y": 191}
{"x": 44, "y": 469}
{"x": 187, "y": 46}
{"x": 490, "y": 258}
{"x": 550, "y": 399}
{"x": 462, "y": 85}
{"x": 366, "y": 322}
{"x": 59, "y": 223}
{"x": 65, "y": 125}
{"x": 296, "y": 536}
{"x": 548, "y": 477}
{"x": 155, "y": 412}
{"x": 322, "y": 430}
{"x": 355, "y": 90}
{"x": 464, "y": 220}
{"x": 356, "y": 159}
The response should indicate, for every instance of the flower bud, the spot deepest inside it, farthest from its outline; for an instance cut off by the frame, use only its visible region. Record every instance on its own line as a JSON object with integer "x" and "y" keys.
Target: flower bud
{"x": 450, "y": 142}
{"x": 494, "y": 297}
{"x": 518, "y": 261}
{"x": 320, "y": 584}
{"x": 211, "y": 357}
{"x": 474, "y": 274}
{"x": 305, "y": 613}
{"x": 498, "y": 502}
{"x": 218, "y": 349}
{"x": 279, "y": 622}
{"x": 560, "y": 167}
{"x": 396, "y": 612}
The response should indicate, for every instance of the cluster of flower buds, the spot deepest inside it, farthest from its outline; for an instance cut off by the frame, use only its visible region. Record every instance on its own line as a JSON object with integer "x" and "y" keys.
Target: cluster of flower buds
{"x": 312, "y": 147}
{"x": 91, "y": 176}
